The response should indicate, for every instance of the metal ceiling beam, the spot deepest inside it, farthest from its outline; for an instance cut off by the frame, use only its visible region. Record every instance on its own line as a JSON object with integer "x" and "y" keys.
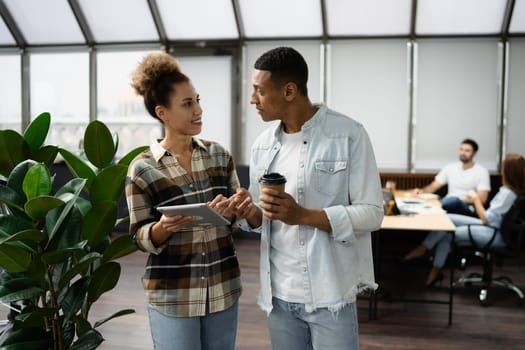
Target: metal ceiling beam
{"x": 82, "y": 22}
{"x": 509, "y": 10}
{"x": 12, "y": 26}
{"x": 238, "y": 21}
{"x": 413, "y": 19}
{"x": 324, "y": 21}
{"x": 157, "y": 19}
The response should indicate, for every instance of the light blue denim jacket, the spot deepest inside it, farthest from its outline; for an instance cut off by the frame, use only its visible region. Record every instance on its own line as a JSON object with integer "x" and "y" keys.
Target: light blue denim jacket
{"x": 337, "y": 172}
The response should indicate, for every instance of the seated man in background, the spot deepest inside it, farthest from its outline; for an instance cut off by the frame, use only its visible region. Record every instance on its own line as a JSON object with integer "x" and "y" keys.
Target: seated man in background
{"x": 461, "y": 177}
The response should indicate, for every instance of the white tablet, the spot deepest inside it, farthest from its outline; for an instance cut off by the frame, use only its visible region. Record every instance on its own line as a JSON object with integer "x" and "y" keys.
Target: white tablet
{"x": 203, "y": 214}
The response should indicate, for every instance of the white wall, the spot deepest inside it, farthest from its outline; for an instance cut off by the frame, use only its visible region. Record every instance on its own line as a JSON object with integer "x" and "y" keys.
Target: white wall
{"x": 456, "y": 98}
{"x": 211, "y": 77}
{"x": 368, "y": 81}
{"x": 515, "y": 131}
{"x": 10, "y": 92}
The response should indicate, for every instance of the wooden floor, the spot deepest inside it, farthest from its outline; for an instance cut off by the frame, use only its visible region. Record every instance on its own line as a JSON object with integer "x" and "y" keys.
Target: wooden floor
{"x": 399, "y": 325}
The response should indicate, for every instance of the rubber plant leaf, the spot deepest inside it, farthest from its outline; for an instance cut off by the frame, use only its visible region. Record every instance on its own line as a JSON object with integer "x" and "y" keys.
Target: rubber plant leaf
{"x": 98, "y": 144}
{"x": 108, "y": 184}
{"x": 126, "y": 160}
{"x": 103, "y": 279}
{"x": 36, "y": 132}
{"x": 37, "y": 181}
{"x": 78, "y": 167}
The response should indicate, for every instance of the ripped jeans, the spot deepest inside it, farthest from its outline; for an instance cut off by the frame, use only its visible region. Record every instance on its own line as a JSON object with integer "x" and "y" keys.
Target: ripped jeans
{"x": 291, "y": 328}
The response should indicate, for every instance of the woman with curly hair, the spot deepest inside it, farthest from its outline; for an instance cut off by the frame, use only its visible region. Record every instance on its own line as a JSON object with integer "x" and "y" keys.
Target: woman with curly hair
{"x": 513, "y": 178}
{"x": 192, "y": 277}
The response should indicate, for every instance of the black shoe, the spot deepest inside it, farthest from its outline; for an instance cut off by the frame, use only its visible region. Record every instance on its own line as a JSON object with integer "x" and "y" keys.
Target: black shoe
{"x": 439, "y": 278}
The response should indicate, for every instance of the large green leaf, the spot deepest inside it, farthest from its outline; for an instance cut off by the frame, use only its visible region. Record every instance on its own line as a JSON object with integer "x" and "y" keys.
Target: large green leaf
{"x": 11, "y": 197}
{"x": 14, "y": 259}
{"x": 103, "y": 279}
{"x": 14, "y": 150}
{"x": 115, "y": 315}
{"x": 37, "y": 181}
{"x": 88, "y": 341}
{"x": 28, "y": 339}
{"x": 69, "y": 232}
{"x": 83, "y": 325}
{"x": 12, "y": 224}
{"x": 99, "y": 222}
{"x": 83, "y": 205}
{"x": 78, "y": 167}
{"x": 68, "y": 333}
{"x": 72, "y": 300}
{"x": 19, "y": 288}
{"x": 126, "y": 160}
{"x": 46, "y": 155}
{"x": 61, "y": 255}
{"x": 25, "y": 235}
{"x": 121, "y": 221}
{"x": 37, "y": 208}
{"x": 98, "y": 144}
{"x": 102, "y": 245}
{"x": 36, "y": 132}
{"x": 23, "y": 239}
{"x": 120, "y": 247}
{"x": 79, "y": 268}
{"x": 72, "y": 186}
{"x": 109, "y": 184}
{"x": 38, "y": 271}
{"x": 26, "y": 239}
{"x": 16, "y": 178}
{"x": 32, "y": 316}
{"x": 53, "y": 227}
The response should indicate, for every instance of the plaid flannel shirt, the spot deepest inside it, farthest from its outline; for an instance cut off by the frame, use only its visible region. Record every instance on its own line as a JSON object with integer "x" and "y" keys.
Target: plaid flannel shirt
{"x": 195, "y": 266}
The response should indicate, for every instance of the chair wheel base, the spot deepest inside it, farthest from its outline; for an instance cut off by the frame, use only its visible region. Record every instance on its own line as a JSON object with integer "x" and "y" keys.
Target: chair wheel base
{"x": 484, "y": 299}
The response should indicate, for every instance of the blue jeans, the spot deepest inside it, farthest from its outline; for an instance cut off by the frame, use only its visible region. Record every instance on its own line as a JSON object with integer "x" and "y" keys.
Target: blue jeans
{"x": 291, "y": 328}
{"x": 216, "y": 331}
{"x": 454, "y": 205}
{"x": 440, "y": 240}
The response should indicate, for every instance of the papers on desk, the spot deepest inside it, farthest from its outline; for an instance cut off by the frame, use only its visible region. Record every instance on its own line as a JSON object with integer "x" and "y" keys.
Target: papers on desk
{"x": 417, "y": 206}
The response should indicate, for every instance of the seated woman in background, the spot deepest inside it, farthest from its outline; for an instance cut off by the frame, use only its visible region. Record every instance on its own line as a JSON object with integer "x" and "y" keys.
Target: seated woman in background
{"x": 513, "y": 179}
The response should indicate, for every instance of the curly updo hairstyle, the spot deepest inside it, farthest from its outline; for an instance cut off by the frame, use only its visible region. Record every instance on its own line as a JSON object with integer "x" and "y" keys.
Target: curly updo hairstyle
{"x": 154, "y": 79}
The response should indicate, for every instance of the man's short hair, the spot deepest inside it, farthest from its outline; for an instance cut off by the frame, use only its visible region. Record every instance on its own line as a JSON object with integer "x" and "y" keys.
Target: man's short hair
{"x": 472, "y": 143}
{"x": 286, "y": 65}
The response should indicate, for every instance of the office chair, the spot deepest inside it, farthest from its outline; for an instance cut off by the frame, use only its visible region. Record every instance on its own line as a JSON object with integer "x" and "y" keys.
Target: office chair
{"x": 513, "y": 233}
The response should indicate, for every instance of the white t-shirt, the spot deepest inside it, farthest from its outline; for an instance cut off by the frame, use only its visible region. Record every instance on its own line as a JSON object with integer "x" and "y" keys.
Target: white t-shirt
{"x": 286, "y": 275}
{"x": 461, "y": 181}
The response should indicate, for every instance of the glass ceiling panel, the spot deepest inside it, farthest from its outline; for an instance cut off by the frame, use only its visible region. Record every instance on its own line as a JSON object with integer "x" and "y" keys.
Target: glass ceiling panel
{"x": 368, "y": 17}
{"x": 281, "y": 18}
{"x": 119, "y": 20}
{"x": 185, "y": 20}
{"x": 5, "y": 35}
{"x": 460, "y": 17}
{"x": 517, "y": 22}
{"x": 46, "y": 22}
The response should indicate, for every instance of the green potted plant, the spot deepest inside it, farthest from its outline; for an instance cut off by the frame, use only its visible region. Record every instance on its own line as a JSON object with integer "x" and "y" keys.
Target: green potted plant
{"x": 56, "y": 251}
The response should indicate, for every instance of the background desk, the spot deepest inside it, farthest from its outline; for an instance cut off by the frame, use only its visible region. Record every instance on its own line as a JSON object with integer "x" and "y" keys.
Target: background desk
{"x": 415, "y": 222}
{"x": 418, "y": 222}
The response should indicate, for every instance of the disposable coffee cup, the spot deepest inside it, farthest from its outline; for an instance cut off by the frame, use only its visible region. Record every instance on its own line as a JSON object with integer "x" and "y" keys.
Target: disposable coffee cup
{"x": 274, "y": 181}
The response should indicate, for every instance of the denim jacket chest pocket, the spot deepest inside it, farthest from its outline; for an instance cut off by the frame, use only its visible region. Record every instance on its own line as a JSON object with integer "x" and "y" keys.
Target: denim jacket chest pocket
{"x": 331, "y": 176}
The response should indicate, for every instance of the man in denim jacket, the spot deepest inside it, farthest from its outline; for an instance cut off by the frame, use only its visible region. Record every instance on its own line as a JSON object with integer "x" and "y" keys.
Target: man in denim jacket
{"x": 315, "y": 237}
